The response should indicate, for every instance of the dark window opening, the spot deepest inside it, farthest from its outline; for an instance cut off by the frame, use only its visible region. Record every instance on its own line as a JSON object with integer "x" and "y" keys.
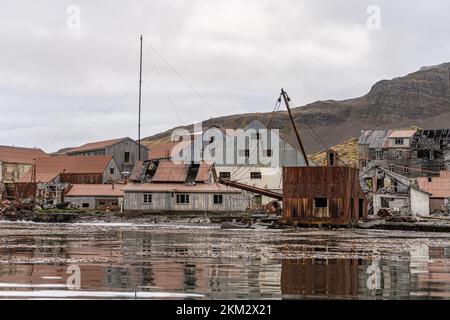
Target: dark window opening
{"x": 148, "y": 198}
{"x": 321, "y": 202}
{"x": 399, "y": 141}
{"x": 255, "y": 175}
{"x": 85, "y": 205}
{"x": 101, "y": 203}
{"x": 111, "y": 170}
{"x": 225, "y": 175}
{"x": 183, "y": 198}
{"x": 430, "y": 179}
{"x": 127, "y": 157}
{"x": 218, "y": 199}
{"x": 331, "y": 158}
{"x": 268, "y": 152}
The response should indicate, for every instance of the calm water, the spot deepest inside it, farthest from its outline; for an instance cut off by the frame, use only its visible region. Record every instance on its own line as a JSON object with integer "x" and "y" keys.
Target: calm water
{"x": 204, "y": 262}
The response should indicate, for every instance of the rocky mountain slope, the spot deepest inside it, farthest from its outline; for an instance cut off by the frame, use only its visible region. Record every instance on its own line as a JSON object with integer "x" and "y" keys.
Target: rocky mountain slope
{"x": 421, "y": 99}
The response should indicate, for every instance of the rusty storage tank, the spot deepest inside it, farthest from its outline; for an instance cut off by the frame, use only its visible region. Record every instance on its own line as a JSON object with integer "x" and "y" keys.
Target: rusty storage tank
{"x": 329, "y": 195}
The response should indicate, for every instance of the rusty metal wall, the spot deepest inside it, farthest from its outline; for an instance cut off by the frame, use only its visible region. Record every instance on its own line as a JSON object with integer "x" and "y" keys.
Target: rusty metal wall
{"x": 340, "y": 185}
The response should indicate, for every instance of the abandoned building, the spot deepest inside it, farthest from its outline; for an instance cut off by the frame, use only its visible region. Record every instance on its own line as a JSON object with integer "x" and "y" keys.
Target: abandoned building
{"x": 439, "y": 190}
{"x": 15, "y": 163}
{"x": 329, "y": 195}
{"x": 51, "y": 176}
{"x": 124, "y": 152}
{"x": 165, "y": 186}
{"x": 392, "y": 191}
{"x": 254, "y": 173}
{"x": 411, "y": 153}
{"x": 103, "y": 197}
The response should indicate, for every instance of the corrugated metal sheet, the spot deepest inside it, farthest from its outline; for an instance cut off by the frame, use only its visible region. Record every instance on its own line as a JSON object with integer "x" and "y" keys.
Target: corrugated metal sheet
{"x": 178, "y": 187}
{"x": 374, "y": 138}
{"x": 49, "y": 168}
{"x": 20, "y": 155}
{"x": 161, "y": 151}
{"x": 402, "y": 133}
{"x": 95, "y": 145}
{"x": 439, "y": 187}
{"x": 339, "y": 185}
{"x": 169, "y": 171}
{"x": 107, "y": 190}
{"x": 204, "y": 172}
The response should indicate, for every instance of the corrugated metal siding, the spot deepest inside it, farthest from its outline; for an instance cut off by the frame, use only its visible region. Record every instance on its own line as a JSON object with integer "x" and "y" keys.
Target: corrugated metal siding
{"x": 339, "y": 185}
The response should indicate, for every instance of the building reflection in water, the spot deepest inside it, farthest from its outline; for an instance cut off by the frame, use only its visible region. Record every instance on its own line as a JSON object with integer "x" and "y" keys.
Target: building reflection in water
{"x": 130, "y": 260}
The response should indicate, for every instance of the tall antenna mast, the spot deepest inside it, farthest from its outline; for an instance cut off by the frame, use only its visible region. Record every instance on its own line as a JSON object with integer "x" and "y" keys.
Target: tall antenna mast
{"x": 140, "y": 90}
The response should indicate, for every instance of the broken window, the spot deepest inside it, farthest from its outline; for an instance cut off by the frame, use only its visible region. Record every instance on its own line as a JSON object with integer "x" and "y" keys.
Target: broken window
{"x": 218, "y": 199}
{"x": 379, "y": 154}
{"x": 111, "y": 170}
{"x": 127, "y": 157}
{"x": 320, "y": 202}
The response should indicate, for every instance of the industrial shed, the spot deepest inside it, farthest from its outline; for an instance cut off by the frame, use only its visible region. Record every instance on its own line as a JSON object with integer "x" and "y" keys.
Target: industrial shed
{"x": 323, "y": 195}
{"x": 105, "y": 197}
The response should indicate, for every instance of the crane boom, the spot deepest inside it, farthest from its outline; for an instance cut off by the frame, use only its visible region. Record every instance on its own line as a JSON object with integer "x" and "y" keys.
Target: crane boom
{"x": 286, "y": 101}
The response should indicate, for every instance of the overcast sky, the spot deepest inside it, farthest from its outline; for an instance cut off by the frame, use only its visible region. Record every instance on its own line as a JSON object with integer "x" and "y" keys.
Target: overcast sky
{"x": 65, "y": 81}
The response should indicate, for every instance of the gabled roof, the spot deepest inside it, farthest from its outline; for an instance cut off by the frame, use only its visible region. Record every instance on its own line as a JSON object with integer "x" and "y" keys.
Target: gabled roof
{"x": 92, "y": 146}
{"x": 96, "y": 190}
{"x": 48, "y": 168}
{"x": 20, "y": 155}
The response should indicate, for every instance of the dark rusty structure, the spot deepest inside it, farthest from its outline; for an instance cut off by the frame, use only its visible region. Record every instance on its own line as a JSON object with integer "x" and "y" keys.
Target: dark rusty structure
{"x": 323, "y": 195}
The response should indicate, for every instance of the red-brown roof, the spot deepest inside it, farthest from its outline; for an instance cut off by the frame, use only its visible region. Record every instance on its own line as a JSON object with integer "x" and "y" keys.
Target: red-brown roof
{"x": 96, "y": 190}
{"x": 20, "y": 155}
{"x": 402, "y": 133}
{"x": 91, "y": 146}
{"x": 161, "y": 151}
{"x": 169, "y": 171}
{"x": 179, "y": 187}
{"x": 48, "y": 168}
{"x": 439, "y": 187}
{"x": 204, "y": 172}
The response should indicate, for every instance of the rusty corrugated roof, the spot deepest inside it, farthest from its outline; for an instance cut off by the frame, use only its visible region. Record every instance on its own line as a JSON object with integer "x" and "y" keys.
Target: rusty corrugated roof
{"x": 439, "y": 187}
{"x": 91, "y": 146}
{"x": 20, "y": 155}
{"x": 178, "y": 187}
{"x": 204, "y": 172}
{"x": 53, "y": 166}
{"x": 161, "y": 151}
{"x": 169, "y": 171}
{"x": 96, "y": 190}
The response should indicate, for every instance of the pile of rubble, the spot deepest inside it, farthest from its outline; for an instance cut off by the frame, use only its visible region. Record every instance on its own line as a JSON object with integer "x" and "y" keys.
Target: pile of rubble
{"x": 396, "y": 216}
{"x": 8, "y": 206}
